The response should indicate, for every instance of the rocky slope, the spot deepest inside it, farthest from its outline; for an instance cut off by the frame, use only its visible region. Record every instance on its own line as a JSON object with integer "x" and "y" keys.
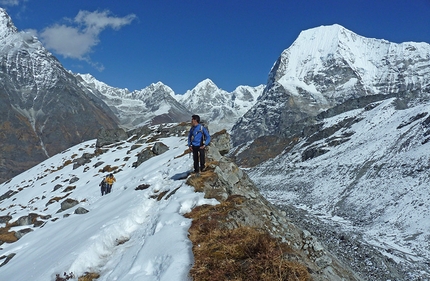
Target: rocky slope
{"x": 364, "y": 172}
{"x": 43, "y": 109}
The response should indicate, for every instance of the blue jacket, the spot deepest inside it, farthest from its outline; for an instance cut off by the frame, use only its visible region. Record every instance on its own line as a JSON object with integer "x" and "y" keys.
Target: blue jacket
{"x": 196, "y": 134}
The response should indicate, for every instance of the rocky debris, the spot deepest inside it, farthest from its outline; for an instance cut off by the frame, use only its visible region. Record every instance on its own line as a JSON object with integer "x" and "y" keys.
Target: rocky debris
{"x": 84, "y": 159}
{"x": 110, "y": 136}
{"x": 57, "y": 186}
{"x": 221, "y": 140}
{"x": 142, "y": 187}
{"x": 7, "y": 194}
{"x": 22, "y": 232}
{"x": 147, "y": 153}
{"x": 74, "y": 179}
{"x": 224, "y": 179}
{"x": 351, "y": 249}
{"x": 30, "y": 219}
{"x": 142, "y": 156}
{"x": 6, "y": 259}
{"x": 5, "y": 219}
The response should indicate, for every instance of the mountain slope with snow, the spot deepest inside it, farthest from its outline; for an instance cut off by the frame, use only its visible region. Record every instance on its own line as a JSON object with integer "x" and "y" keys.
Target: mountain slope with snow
{"x": 137, "y": 232}
{"x": 43, "y": 111}
{"x": 364, "y": 172}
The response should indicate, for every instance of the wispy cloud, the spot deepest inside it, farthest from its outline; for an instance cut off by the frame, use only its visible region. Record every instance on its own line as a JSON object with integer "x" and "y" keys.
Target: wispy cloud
{"x": 77, "y": 39}
{"x": 9, "y": 2}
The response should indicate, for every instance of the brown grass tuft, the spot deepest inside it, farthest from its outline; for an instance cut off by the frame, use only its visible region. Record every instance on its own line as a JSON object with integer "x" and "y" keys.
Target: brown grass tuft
{"x": 243, "y": 253}
{"x": 89, "y": 276}
{"x": 198, "y": 182}
{"x": 108, "y": 169}
{"x": 6, "y": 236}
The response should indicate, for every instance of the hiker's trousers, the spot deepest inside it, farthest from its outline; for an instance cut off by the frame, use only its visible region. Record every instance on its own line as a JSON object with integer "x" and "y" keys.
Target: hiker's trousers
{"x": 198, "y": 154}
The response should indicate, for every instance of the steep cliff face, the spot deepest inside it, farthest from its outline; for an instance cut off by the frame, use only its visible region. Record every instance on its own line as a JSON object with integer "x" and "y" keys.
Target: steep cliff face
{"x": 43, "y": 109}
{"x": 326, "y": 67}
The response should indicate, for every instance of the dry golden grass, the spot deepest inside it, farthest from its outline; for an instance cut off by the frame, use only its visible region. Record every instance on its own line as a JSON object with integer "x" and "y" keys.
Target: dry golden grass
{"x": 89, "y": 276}
{"x": 6, "y": 236}
{"x": 242, "y": 253}
{"x": 108, "y": 169}
{"x": 198, "y": 182}
{"x": 186, "y": 152}
{"x": 56, "y": 199}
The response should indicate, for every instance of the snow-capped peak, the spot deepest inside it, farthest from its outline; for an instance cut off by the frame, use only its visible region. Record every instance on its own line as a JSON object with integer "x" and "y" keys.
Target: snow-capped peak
{"x": 6, "y": 25}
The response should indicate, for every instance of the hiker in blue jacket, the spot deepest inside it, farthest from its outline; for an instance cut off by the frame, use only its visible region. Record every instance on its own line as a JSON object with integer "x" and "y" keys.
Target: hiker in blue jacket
{"x": 198, "y": 139}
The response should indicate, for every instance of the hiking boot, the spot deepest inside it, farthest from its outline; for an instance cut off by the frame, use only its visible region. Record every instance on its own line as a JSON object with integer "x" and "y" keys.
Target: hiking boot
{"x": 202, "y": 169}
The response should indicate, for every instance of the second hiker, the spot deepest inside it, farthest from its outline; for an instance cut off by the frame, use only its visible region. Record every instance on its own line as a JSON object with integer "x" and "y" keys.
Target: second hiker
{"x": 198, "y": 139}
{"x": 110, "y": 179}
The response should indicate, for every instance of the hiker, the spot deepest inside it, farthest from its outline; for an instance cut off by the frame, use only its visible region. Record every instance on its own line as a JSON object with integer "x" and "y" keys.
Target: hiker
{"x": 103, "y": 186}
{"x": 198, "y": 139}
{"x": 110, "y": 179}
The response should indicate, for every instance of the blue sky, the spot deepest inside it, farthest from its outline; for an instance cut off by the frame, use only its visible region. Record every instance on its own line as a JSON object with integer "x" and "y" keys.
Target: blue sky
{"x": 131, "y": 44}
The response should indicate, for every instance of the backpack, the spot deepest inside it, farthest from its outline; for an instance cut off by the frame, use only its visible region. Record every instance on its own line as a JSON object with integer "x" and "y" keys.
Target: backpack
{"x": 203, "y": 140}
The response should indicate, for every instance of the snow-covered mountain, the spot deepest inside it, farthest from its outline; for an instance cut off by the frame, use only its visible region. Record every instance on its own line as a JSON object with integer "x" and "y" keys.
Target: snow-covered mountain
{"x": 151, "y": 105}
{"x": 219, "y": 108}
{"x": 43, "y": 111}
{"x": 342, "y": 131}
{"x": 326, "y": 66}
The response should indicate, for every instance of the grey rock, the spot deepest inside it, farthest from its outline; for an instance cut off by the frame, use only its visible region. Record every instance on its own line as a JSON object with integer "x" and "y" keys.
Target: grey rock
{"x": 159, "y": 148}
{"x": 110, "y": 136}
{"x": 74, "y": 179}
{"x": 22, "y": 232}
{"x": 68, "y": 203}
{"x": 81, "y": 210}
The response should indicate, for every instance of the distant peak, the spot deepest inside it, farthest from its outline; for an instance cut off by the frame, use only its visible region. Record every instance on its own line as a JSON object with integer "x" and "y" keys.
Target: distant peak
{"x": 159, "y": 86}
{"x": 6, "y": 25}
{"x": 205, "y": 82}
{"x": 324, "y": 31}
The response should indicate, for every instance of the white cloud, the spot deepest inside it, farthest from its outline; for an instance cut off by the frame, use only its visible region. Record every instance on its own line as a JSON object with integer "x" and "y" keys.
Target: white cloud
{"x": 77, "y": 40}
{"x": 9, "y": 2}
